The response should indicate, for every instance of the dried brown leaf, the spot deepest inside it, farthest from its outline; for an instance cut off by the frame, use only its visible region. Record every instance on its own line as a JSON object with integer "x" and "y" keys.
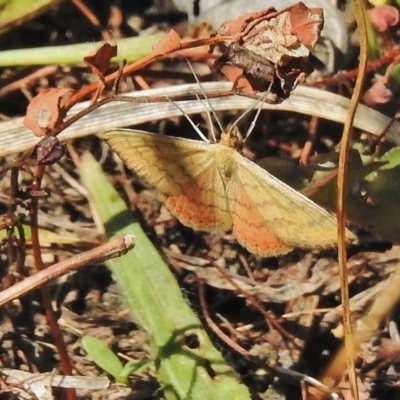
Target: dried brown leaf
{"x": 169, "y": 43}
{"x": 306, "y": 24}
{"x": 99, "y": 61}
{"x": 272, "y": 48}
{"x": 238, "y": 25}
{"x": 47, "y": 110}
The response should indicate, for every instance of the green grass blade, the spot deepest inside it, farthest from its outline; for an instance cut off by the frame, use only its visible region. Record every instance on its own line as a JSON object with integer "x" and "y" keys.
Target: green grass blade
{"x": 15, "y": 12}
{"x": 156, "y": 302}
{"x": 131, "y": 49}
{"x": 104, "y": 357}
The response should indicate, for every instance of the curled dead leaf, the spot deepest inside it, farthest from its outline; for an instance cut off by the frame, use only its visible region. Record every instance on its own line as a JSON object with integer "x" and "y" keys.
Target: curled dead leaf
{"x": 306, "y": 24}
{"x": 47, "y": 110}
{"x": 272, "y": 48}
{"x": 169, "y": 43}
{"x": 48, "y": 151}
{"x": 237, "y": 26}
{"x": 99, "y": 61}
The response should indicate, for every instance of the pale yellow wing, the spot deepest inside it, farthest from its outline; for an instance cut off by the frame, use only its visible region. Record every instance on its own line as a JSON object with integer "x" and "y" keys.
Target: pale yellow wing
{"x": 250, "y": 227}
{"x": 290, "y": 218}
{"x": 183, "y": 171}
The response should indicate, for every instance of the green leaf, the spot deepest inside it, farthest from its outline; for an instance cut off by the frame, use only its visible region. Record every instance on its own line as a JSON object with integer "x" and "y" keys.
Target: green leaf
{"x": 130, "y": 49}
{"x": 185, "y": 371}
{"x": 134, "y": 367}
{"x": 16, "y": 12}
{"x": 104, "y": 357}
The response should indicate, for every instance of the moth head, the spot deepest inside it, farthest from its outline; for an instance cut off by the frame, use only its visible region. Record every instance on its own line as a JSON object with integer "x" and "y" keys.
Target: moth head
{"x": 231, "y": 137}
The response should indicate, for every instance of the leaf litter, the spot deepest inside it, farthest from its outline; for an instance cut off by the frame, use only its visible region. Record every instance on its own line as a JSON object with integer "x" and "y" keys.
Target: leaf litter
{"x": 281, "y": 283}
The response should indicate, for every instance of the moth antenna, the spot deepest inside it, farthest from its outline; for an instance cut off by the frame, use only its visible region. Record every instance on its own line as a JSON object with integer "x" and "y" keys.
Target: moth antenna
{"x": 210, "y": 122}
{"x": 208, "y": 103}
{"x": 195, "y": 127}
{"x": 253, "y": 122}
{"x": 251, "y": 108}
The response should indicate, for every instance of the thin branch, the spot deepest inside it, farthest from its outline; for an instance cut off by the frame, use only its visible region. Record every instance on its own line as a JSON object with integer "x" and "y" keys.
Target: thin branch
{"x": 113, "y": 248}
{"x": 350, "y": 349}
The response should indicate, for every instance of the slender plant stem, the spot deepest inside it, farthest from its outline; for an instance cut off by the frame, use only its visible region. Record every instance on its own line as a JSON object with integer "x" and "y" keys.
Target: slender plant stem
{"x": 59, "y": 342}
{"x": 113, "y": 248}
{"x": 341, "y": 212}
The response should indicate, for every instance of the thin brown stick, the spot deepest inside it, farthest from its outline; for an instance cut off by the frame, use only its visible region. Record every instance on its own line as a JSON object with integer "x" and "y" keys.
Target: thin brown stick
{"x": 13, "y": 223}
{"x": 51, "y": 318}
{"x": 213, "y": 326}
{"x": 375, "y": 144}
{"x": 350, "y": 346}
{"x": 26, "y": 80}
{"x": 128, "y": 99}
{"x": 114, "y": 248}
{"x": 308, "y": 147}
{"x": 144, "y": 61}
{"x": 374, "y": 65}
{"x": 85, "y": 10}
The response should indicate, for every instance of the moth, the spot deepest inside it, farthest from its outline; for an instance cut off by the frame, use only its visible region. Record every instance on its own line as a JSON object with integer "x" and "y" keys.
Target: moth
{"x": 212, "y": 187}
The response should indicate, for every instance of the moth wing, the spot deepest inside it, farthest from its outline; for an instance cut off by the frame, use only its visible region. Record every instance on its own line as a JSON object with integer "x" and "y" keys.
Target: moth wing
{"x": 287, "y": 214}
{"x": 248, "y": 224}
{"x": 183, "y": 172}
